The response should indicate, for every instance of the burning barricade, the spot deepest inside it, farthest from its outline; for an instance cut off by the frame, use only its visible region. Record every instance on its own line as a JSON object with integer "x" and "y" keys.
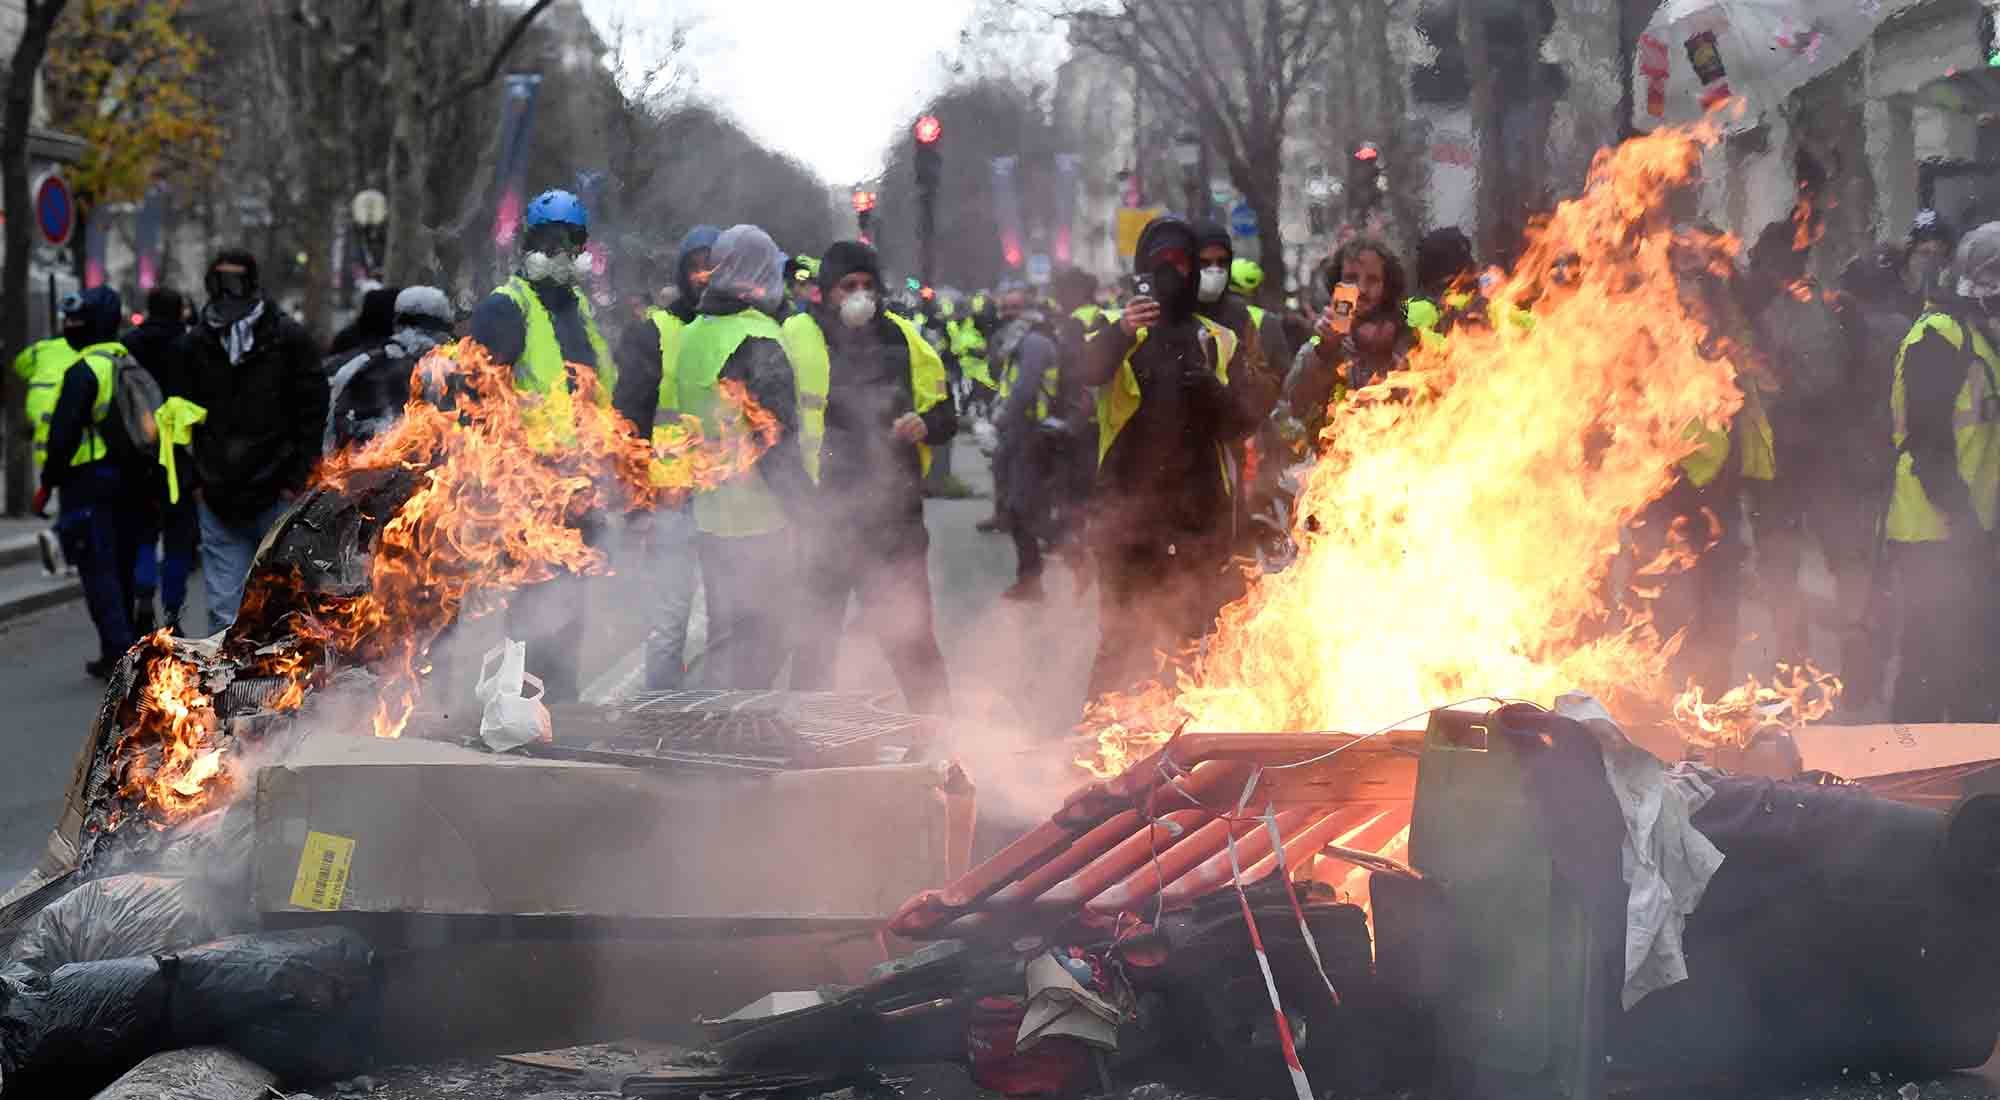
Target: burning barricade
{"x": 1392, "y": 881}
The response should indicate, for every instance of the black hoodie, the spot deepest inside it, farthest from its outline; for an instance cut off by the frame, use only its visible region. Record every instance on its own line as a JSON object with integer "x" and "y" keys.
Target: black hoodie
{"x": 636, "y": 397}
{"x": 870, "y": 483}
{"x": 1162, "y": 479}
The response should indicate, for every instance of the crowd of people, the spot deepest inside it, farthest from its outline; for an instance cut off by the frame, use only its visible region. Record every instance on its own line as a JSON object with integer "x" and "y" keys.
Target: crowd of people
{"x": 1138, "y": 430}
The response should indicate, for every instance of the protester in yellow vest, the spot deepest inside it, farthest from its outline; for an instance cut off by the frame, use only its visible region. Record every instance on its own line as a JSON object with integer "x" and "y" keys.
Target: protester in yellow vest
{"x": 98, "y": 524}
{"x": 540, "y": 323}
{"x": 873, "y": 403}
{"x": 749, "y": 529}
{"x": 648, "y": 395}
{"x": 1945, "y": 405}
{"x": 41, "y": 366}
{"x": 1169, "y": 402}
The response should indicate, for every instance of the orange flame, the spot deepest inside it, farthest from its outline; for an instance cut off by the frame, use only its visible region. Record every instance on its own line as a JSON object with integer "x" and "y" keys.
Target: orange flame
{"x": 1455, "y": 536}
{"x": 171, "y": 757}
{"x": 1797, "y": 695}
{"x": 504, "y": 478}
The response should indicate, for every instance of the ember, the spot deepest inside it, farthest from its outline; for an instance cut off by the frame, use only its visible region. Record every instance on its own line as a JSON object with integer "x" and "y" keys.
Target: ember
{"x": 1797, "y": 695}
{"x": 1456, "y": 535}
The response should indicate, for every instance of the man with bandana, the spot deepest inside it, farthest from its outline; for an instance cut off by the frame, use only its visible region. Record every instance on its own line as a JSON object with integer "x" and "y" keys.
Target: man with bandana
{"x": 258, "y": 374}
{"x": 1171, "y": 399}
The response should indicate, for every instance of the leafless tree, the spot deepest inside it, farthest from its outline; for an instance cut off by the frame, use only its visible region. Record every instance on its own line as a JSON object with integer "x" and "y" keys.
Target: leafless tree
{"x": 38, "y": 18}
{"x": 1232, "y": 69}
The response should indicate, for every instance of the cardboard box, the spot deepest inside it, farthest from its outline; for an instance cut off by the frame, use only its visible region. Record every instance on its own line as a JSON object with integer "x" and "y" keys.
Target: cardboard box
{"x": 358, "y": 825}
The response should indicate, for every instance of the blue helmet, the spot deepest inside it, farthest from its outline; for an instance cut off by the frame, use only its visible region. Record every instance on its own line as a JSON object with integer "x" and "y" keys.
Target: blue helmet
{"x": 558, "y": 208}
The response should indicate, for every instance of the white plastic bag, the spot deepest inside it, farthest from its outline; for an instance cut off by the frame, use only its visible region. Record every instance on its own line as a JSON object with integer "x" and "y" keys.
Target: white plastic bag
{"x": 511, "y": 719}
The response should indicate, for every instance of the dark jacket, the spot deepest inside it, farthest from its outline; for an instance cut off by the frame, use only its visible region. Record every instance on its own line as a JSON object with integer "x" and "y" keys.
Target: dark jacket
{"x": 765, "y": 371}
{"x": 869, "y": 479}
{"x": 266, "y": 414}
{"x": 497, "y": 323}
{"x": 155, "y": 344}
{"x": 1933, "y": 373}
{"x": 373, "y": 323}
{"x": 370, "y": 390}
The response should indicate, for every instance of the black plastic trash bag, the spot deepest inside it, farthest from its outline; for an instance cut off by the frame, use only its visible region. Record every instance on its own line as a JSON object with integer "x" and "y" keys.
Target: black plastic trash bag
{"x": 300, "y": 1003}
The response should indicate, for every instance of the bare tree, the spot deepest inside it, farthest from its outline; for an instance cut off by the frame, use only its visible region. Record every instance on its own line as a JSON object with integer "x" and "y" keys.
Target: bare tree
{"x": 1231, "y": 69}
{"x": 38, "y": 19}
{"x": 428, "y": 79}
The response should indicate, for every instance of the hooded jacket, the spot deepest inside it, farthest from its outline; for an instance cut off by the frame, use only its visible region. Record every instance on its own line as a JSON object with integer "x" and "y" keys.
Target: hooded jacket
{"x": 97, "y": 318}
{"x": 1162, "y": 478}
{"x": 266, "y": 412}
{"x": 637, "y": 395}
{"x": 373, "y": 323}
{"x": 370, "y": 390}
{"x": 870, "y": 483}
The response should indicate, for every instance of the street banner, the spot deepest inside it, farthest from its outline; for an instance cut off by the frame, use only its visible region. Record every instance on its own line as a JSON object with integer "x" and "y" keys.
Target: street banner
{"x": 149, "y": 236}
{"x": 1007, "y": 208}
{"x": 517, "y": 125}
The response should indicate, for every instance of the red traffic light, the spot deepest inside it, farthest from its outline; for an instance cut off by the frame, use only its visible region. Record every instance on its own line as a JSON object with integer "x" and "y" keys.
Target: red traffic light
{"x": 928, "y": 129}
{"x": 864, "y": 201}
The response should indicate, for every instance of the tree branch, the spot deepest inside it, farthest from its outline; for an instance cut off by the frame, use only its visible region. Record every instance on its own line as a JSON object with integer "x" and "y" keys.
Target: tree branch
{"x": 499, "y": 57}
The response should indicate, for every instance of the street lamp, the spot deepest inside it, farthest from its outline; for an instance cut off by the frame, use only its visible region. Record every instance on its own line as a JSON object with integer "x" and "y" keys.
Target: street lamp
{"x": 369, "y": 211}
{"x": 1187, "y": 154}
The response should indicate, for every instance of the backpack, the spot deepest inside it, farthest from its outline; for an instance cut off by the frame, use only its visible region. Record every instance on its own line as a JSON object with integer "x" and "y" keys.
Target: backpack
{"x": 133, "y": 433}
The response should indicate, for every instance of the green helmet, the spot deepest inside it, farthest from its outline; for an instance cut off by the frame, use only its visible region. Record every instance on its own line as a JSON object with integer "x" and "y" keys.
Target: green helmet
{"x": 1245, "y": 276}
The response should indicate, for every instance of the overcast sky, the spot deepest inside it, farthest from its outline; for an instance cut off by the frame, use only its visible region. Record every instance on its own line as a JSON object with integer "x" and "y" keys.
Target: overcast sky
{"x": 826, "y": 81}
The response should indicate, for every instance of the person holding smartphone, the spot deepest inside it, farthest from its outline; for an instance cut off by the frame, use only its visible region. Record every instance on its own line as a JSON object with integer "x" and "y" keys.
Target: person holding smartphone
{"x": 1359, "y": 338}
{"x": 1172, "y": 397}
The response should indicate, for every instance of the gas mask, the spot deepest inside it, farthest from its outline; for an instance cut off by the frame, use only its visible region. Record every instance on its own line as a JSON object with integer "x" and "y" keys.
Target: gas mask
{"x": 561, "y": 267}
{"x": 1214, "y": 280}
{"x": 858, "y": 308}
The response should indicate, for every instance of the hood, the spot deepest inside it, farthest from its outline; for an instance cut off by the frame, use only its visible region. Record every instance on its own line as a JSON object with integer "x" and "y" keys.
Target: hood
{"x": 844, "y": 258}
{"x": 698, "y": 238}
{"x": 748, "y": 268}
{"x": 377, "y": 316}
{"x": 98, "y": 313}
{"x": 423, "y": 305}
{"x": 1212, "y": 233}
{"x": 1175, "y": 292}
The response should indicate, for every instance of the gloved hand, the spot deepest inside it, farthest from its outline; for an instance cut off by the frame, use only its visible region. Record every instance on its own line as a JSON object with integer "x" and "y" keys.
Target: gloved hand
{"x": 40, "y": 507}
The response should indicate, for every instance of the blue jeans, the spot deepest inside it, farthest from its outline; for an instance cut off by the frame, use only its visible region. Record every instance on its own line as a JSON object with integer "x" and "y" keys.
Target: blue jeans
{"x": 167, "y": 569}
{"x": 96, "y": 524}
{"x": 227, "y": 549}
{"x": 675, "y": 574}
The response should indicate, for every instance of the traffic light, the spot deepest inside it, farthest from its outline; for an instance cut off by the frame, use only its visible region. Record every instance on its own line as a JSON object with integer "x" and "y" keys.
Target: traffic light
{"x": 928, "y": 132}
{"x": 864, "y": 212}
{"x": 1364, "y": 179}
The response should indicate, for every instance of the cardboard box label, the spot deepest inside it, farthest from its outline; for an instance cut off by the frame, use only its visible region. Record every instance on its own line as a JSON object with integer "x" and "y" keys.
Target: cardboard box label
{"x": 322, "y": 877}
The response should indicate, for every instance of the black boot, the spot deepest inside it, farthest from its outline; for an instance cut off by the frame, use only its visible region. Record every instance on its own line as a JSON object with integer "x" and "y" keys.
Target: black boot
{"x": 143, "y": 619}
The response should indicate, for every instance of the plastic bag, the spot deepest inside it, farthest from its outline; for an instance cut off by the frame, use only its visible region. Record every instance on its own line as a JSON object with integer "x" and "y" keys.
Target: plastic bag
{"x": 511, "y": 719}
{"x": 299, "y": 1003}
{"x": 114, "y": 918}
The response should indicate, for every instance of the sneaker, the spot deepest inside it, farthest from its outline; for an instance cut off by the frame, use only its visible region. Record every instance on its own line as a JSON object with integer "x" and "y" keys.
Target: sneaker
{"x": 1026, "y": 590}
{"x": 144, "y": 621}
{"x": 99, "y": 669}
{"x": 52, "y": 560}
{"x": 173, "y": 623}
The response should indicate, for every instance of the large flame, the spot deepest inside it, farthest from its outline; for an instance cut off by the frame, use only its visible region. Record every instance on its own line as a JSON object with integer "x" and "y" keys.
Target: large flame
{"x": 1457, "y": 534}
{"x": 507, "y": 480}
{"x": 504, "y": 481}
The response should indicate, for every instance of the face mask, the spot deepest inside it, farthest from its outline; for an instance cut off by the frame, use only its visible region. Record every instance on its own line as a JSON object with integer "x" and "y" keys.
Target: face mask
{"x": 857, "y": 309}
{"x": 1214, "y": 280}
{"x": 541, "y": 267}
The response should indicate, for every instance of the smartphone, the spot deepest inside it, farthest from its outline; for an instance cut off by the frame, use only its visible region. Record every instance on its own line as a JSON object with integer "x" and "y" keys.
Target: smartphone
{"x": 1143, "y": 287}
{"x": 1345, "y": 297}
